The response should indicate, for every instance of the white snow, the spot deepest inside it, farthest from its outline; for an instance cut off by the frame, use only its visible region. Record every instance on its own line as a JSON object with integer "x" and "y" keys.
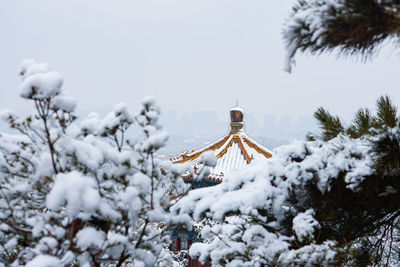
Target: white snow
{"x": 91, "y": 123}
{"x": 42, "y": 85}
{"x": 44, "y": 261}
{"x": 90, "y": 237}
{"x": 149, "y": 100}
{"x": 156, "y": 140}
{"x": 119, "y": 115}
{"x": 310, "y": 255}
{"x": 44, "y": 166}
{"x": 237, "y": 108}
{"x": 304, "y": 225}
{"x": 65, "y": 103}
{"x": 11, "y": 244}
{"x": 39, "y": 81}
{"x": 208, "y": 159}
{"x": 74, "y": 191}
{"x": 30, "y": 67}
{"x": 7, "y": 114}
{"x": 121, "y": 108}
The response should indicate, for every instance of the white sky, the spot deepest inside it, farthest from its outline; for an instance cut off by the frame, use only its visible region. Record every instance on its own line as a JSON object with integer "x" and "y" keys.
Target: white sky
{"x": 193, "y": 55}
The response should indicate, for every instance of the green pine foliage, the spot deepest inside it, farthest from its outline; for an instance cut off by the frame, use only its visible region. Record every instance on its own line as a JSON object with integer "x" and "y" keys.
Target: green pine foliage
{"x": 379, "y": 128}
{"x": 365, "y": 224}
{"x": 331, "y": 125}
{"x": 386, "y": 113}
{"x": 364, "y": 121}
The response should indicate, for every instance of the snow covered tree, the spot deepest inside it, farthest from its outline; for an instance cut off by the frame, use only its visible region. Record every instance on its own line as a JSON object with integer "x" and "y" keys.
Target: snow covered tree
{"x": 83, "y": 193}
{"x": 349, "y": 26}
{"x": 333, "y": 200}
{"x": 376, "y": 209}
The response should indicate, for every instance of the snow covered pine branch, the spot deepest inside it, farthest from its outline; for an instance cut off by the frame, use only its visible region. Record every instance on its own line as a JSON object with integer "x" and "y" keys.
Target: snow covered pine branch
{"x": 348, "y": 27}
{"x": 83, "y": 193}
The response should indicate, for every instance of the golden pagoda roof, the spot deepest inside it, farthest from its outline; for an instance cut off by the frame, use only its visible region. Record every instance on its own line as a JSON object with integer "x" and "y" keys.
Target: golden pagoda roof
{"x": 233, "y": 151}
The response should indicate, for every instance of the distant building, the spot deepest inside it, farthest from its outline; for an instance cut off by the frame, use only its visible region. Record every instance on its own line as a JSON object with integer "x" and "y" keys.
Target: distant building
{"x": 233, "y": 152}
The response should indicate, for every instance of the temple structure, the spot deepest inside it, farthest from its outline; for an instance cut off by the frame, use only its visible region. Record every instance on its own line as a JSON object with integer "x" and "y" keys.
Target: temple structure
{"x": 233, "y": 151}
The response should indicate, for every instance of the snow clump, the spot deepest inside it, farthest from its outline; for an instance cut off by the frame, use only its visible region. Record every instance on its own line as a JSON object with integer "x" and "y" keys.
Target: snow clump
{"x": 39, "y": 81}
{"x": 65, "y": 103}
{"x": 304, "y": 225}
{"x": 76, "y": 191}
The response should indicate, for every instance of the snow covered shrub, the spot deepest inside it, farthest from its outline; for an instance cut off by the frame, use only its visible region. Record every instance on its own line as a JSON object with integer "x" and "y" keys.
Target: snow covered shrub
{"x": 83, "y": 193}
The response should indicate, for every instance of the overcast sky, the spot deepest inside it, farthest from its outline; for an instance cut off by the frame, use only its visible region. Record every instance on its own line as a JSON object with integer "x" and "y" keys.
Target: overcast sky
{"x": 193, "y": 55}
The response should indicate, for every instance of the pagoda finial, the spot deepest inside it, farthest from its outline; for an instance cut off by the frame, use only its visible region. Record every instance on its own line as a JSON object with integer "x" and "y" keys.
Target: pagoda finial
{"x": 236, "y": 118}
